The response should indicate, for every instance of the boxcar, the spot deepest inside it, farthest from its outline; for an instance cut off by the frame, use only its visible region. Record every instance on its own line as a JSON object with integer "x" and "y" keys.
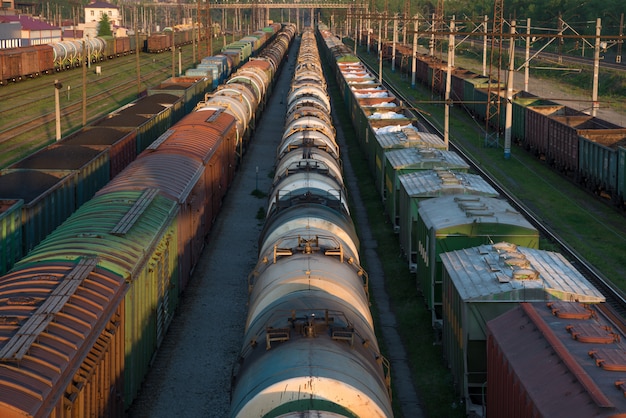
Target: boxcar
{"x": 10, "y": 233}
{"x": 621, "y": 175}
{"x": 30, "y": 61}
{"x": 555, "y": 359}
{"x": 75, "y": 346}
{"x": 49, "y": 198}
{"x": 455, "y": 222}
{"x": 408, "y": 160}
{"x": 90, "y": 163}
{"x": 134, "y": 236}
{"x": 159, "y": 42}
{"x": 420, "y": 185}
{"x": 482, "y": 283}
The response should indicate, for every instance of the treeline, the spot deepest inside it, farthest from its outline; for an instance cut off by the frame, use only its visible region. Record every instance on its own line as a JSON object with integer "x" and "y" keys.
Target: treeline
{"x": 580, "y": 15}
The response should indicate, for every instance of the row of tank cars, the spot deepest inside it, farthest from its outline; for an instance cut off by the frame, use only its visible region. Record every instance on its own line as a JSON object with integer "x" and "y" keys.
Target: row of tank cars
{"x": 40, "y": 191}
{"x": 475, "y": 259}
{"x": 586, "y": 149}
{"x": 309, "y": 347}
{"x": 85, "y": 310}
{"x": 32, "y": 61}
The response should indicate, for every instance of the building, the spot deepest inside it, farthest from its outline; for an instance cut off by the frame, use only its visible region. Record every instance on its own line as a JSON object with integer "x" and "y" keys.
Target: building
{"x": 93, "y": 14}
{"x": 7, "y": 7}
{"x": 21, "y": 30}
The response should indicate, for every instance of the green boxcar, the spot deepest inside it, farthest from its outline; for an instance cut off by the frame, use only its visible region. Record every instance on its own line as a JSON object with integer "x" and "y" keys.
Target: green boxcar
{"x": 483, "y": 282}
{"x": 621, "y": 175}
{"x": 472, "y": 84}
{"x": 10, "y": 233}
{"x": 49, "y": 199}
{"x": 520, "y": 102}
{"x": 243, "y": 48}
{"x": 191, "y": 89}
{"x": 598, "y": 161}
{"x": 409, "y": 160}
{"x": 417, "y": 186}
{"x": 385, "y": 136}
{"x": 133, "y": 234}
{"x": 459, "y": 221}
{"x": 90, "y": 163}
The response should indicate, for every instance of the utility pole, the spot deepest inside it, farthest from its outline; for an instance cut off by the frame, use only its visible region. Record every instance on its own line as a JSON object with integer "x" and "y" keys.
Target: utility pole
{"x": 596, "y": 70}
{"x": 57, "y": 108}
{"x": 446, "y": 122}
{"x": 84, "y": 85}
{"x": 492, "y": 117}
{"x": 508, "y": 120}
{"x": 137, "y": 66}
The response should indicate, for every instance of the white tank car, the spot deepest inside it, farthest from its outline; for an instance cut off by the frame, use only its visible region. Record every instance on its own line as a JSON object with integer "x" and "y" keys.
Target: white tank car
{"x": 309, "y": 349}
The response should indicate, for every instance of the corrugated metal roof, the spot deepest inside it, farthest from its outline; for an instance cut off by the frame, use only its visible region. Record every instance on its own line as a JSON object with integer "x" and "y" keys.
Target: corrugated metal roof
{"x": 174, "y": 175}
{"x": 94, "y": 230}
{"x": 558, "y": 373}
{"x": 101, "y": 5}
{"x": 446, "y": 211}
{"x": 437, "y": 182}
{"x": 425, "y": 158}
{"x": 27, "y": 22}
{"x": 504, "y": 272}
{"x": 197, "y": 135}
{"x": 59, "y": 347}
{"x": 409, "y": 137}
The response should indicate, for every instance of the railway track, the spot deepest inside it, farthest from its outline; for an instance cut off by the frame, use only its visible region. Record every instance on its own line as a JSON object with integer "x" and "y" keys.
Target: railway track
{"x": 30, "y": 121}
{"x": 70, "y": 111}
{"x": 615, "y": 298}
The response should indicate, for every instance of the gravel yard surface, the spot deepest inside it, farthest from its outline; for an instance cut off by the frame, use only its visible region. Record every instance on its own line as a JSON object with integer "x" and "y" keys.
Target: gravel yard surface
{"x": 192, "y": 372}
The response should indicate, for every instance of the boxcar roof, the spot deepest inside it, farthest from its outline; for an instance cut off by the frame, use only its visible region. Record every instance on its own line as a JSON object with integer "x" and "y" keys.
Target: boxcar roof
{"x": 425, "y": 158}
{"x": 50, "y": 312}
{"x": 562, "y": 375}
{"x": 408, "y": 136}
{"x": 448, "y": 211}
{"x": 438, "y": 182}
{"x": 504, "y": 272}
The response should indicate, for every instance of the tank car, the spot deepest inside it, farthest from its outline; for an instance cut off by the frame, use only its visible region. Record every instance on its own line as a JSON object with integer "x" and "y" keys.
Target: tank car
{"x": 310, "y": 345}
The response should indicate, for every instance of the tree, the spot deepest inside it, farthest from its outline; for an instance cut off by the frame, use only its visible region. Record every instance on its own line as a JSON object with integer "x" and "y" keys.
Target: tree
{"x": 104, "y": 26}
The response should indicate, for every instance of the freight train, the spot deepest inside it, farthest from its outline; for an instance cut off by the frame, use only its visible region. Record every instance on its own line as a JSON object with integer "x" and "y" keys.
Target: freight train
{"x": 585, "y": 149}
{"x": 474, "y": 256}
{"x": 309, "y": 348}
{"x": 32, "y": 61}
{"x": 64, "y": 175}
{"x": 84, "y": 312}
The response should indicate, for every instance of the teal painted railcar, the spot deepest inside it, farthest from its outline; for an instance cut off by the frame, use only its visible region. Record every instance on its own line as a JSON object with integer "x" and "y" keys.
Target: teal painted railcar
{"x": 455, "y": 222}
